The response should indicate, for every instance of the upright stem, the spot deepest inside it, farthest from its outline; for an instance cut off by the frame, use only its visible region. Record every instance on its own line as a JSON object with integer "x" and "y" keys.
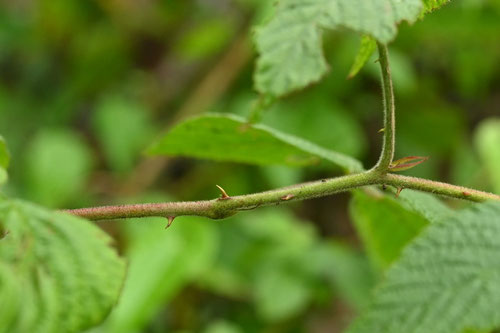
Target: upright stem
{"x": 389, "y": 129}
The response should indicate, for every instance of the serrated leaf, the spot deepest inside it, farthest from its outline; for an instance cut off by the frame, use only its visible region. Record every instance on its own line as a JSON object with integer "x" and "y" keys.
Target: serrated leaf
{"x": 366, "y": 49}
{"x": 430, "y": 5}
{"x": 67, "y": 277}
{"x": 289, "y": 45}
{"x": 487, "y": 139}
{"x": 447, "y": 280}
{"x": 384, "y": 225}
{"x": 231, "y": 139}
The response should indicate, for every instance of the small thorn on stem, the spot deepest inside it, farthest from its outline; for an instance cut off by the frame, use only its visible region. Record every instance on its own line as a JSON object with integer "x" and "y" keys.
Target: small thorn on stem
{"x": 224, "y": 195}
{"x": 377, "y": 60}
{"x": 170, "y": 220}
{"x": 398, "y": 192}
{"x": 287, "y": 197}
{"x": 466, "y": 194}
{"x": 382, "y": 130}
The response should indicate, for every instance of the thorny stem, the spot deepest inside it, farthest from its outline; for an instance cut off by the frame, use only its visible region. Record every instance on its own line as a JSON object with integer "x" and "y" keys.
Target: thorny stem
{"x": 226, "y": 205}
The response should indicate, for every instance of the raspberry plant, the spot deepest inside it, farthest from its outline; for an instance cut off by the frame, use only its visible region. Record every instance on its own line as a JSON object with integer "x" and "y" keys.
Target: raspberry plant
{"x": 59, "y": 274}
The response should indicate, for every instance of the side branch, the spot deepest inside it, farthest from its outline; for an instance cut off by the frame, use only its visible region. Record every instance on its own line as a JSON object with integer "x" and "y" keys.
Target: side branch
{"x": 389, "y": 130}
{"x": 230, "y": 205}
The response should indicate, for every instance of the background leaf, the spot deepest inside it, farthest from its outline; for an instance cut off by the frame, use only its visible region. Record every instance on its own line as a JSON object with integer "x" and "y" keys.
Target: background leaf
{"x": 171, "y": 259}
{"x": 4, "y": 160}
{"x": 230, "y": 138}
{"x": 4, "y": 154}
{"x": 446, "y": 281}
{"x": 384, "y": 225}
{"x": 67, "y": 277}
{"x": 57, "y": 166}
{"x": 289, "y": 45}
{"x": 123, "y": 129}
{"x": 487, "y": 141}
{"x": 366, "y": 49}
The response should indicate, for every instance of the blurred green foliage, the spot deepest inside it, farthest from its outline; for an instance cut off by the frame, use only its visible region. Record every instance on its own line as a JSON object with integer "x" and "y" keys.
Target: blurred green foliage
{"x": 86, "y": 86}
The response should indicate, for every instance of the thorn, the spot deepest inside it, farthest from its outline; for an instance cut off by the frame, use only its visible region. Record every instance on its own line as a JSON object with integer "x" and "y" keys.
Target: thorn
{"x": 287, "y": 197}
{"x": 382, "y": 130}
{"x": 224, "y": 195}
{"x": 399, "y": 191}
{"x": 377, "y": 60}
{"x": 466, "y": 193}
{"x": 170, "y": 220}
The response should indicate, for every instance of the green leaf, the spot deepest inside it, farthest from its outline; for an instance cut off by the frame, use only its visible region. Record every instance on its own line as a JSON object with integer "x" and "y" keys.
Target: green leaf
{"x": 424, "y": 204}
{"x": 57, "y": 270}
{"x": 487, "y": 141}
{"x": 4, "y": 160}
{"x": 366, "y": 49}
{"x": 57, "y": 167}
{"x": 4, "y": 154}
{"x": 123, "y": 129}
{"x": 3, "y": 176}
{"x": 229, "y": 138}
{"x": 430, "y": 5}
{"x": 447, "y": 280}
{"x": 384, "y": 225}
{"x": 349, "y": 271}
{"x": 289, "y": 45}
{"x": 160, "y": 264}
{"x": 280, "y": 294}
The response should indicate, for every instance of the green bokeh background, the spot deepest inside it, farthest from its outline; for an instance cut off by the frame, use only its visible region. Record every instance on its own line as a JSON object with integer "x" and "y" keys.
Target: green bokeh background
{"x": 87, "y": 86}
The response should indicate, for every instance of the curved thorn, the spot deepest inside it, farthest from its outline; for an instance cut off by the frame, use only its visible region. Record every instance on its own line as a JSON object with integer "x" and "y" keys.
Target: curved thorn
{"x": 224, "y": 195}
{"x": 170, "y": 220}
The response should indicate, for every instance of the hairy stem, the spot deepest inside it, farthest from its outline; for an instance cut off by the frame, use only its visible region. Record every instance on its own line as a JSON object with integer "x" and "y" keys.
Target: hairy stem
{"x": 443, "y": 189}
{"x": 389, "y": 129}
{"x": 225, "y": 207}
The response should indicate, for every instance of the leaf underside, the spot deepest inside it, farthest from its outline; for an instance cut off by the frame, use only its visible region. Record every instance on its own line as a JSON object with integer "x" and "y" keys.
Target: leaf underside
{"x": 57, "y": 272}
{"x": 447, "y": 280}
{"x": 231, "y": 139}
